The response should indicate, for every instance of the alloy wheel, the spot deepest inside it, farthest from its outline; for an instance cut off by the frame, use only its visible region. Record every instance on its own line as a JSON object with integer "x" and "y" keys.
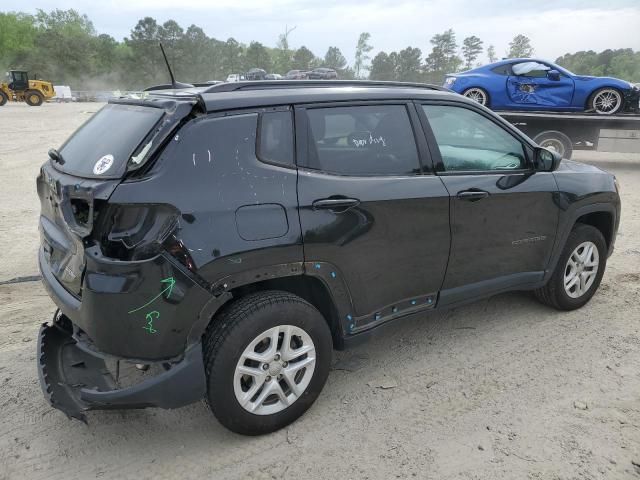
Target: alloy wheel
{"x": 274, "y": 370}
{"x": 477, "y": 95}
{"x": 581, "y": 269}
{"x": 607, "y": 101}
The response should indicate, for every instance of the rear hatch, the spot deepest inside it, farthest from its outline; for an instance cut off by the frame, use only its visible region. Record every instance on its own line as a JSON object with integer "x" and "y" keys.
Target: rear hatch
{"x": 117, "y": 142}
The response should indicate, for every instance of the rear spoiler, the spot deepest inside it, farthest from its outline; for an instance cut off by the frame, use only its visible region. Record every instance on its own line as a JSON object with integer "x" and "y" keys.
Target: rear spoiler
{"x": 166, "y": 100}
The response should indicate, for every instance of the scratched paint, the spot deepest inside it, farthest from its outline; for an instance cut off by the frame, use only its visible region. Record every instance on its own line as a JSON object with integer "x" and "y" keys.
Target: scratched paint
{"x": 168, "y": 284}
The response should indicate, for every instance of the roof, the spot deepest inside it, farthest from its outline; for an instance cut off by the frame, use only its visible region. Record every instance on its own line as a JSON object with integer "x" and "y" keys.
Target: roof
{"x": 261, "y": 98}
{"x": 237, "y": 95}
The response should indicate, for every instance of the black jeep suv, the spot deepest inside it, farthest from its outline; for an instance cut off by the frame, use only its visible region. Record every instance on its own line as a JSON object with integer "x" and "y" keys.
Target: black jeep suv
{"x": 234, "y": 235}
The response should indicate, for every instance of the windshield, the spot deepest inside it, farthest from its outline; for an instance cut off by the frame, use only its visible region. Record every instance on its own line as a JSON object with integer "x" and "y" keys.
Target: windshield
{"x": 103, "y": 145}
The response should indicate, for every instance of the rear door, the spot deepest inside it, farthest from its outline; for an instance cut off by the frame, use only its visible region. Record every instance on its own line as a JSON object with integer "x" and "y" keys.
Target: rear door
{"x": 530, "y": 87}
{"x": 504, "y": 214}
{"x": 368, "y": 210}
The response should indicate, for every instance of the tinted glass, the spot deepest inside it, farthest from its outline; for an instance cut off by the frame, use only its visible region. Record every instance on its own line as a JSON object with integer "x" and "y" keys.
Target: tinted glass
{"x": 275, "y": 144}
{"x": 469, "y": 141}
{"x": 502, "y": 70}
{"x": 366, "y": 140}
{"x": 115, "y": 130}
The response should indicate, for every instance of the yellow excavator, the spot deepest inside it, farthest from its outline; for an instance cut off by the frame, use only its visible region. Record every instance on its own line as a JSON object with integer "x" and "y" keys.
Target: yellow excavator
{"x": 21, "y": 89}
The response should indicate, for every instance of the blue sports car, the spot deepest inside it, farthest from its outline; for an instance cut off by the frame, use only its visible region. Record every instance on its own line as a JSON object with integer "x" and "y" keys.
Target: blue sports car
{"x": 531, "y": 84}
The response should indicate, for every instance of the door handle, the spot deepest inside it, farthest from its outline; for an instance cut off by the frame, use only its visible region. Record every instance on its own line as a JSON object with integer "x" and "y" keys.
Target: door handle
{"x": 472, "y": 195}
{"x": 337, "y": 205}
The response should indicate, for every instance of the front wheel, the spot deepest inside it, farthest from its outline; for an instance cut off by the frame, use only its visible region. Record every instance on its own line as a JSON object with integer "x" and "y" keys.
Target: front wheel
{"x": 33, "y": 98}
{"x": 605, "y": 101}
{"x": 3, "y": 98}
{"x": 579, "y": 270}
{"x": 477, "y": 95}
{"x": 267, "y": 357}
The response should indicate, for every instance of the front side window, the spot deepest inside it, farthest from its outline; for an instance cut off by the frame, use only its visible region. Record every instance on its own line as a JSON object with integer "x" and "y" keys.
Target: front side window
{"x": 469, "y": 141}
{"x": 362, "y": 140}
{"x": 530, "y": 69}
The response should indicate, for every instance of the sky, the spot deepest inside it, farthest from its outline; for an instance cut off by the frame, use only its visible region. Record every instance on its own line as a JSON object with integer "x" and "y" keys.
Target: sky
{"x": 554, "y": 27}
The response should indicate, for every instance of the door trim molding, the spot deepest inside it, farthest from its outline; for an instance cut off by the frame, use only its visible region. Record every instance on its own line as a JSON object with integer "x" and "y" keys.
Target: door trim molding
{"x": 485, "y": 288}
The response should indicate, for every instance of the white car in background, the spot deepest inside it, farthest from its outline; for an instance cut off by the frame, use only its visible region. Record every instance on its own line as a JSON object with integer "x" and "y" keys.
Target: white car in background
{"x": 63, "y": 94}
{"x": 235, "y": 77}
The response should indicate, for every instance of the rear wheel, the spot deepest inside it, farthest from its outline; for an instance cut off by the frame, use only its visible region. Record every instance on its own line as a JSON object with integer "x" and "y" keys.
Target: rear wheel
{"x": 579, "y": 270}
{"x": 605, "y": 101}
{"x": 556, "y": 141}
{"x": 267, "y": 357}
{"x": 477, "y": 95}
{"x": 3, "y": 98}
{"x": 33, "y": 98}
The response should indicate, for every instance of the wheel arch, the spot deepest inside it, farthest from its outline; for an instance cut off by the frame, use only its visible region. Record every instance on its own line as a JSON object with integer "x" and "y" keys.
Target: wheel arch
{"x": 311, "y": 288}
{"x": 591, "y": 93}
{"x": 602, "y": 216}
{"x": 604, "y": 221}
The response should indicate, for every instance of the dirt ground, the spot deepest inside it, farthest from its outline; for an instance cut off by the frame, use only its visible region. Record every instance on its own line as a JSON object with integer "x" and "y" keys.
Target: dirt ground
{"x": 502, "y": 389}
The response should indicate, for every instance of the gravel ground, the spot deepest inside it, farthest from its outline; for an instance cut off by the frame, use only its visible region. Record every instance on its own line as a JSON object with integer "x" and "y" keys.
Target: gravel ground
{"x": 502, "y": 389}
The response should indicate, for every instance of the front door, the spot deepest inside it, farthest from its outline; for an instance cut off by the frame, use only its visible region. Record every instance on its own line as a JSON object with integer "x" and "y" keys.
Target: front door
{"x": 368, "y": 211}
{"x": 503, "y": 213}
{"x": 531, "y": 86}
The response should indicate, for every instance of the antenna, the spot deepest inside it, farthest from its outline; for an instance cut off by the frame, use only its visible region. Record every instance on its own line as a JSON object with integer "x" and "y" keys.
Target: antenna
{"x": 173, "y": 80}
{"x": 174, "y": 84}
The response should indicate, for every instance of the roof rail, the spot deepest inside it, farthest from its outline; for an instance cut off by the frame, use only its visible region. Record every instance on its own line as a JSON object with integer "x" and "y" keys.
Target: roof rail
{"x": 167, "y": 86}
{"x": 267, "y": 84}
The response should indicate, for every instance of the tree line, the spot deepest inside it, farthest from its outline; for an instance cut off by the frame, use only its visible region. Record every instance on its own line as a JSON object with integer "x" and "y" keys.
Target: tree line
{"x": 63, "y": 46}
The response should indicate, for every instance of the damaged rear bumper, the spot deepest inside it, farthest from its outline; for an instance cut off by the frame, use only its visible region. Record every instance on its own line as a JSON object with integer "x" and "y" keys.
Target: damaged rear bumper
{"x": 74, "y": 379}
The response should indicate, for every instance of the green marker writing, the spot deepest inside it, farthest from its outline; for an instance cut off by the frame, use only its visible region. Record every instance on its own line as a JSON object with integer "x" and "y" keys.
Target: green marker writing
{"x": 150, "y": 317}
{"x": 169, "y": 282}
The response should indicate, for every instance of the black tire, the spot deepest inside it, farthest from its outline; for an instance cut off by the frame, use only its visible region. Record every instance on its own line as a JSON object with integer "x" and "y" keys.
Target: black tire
{"x": 3, "y": 98}
{"x": 554, "y": 293}
{"x": 229, "y": 335}
{"x": 591, "y": 107}
{"x": 33, "y": 98}
{"x": 558, "y": 141}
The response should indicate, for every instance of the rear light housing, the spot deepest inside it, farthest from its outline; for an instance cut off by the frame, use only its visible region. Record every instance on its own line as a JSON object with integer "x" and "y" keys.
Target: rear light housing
{"x": 136, "y": 232}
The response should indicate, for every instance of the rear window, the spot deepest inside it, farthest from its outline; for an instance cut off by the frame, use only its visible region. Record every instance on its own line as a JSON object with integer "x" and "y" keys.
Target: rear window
{"x": 103, "y": 145}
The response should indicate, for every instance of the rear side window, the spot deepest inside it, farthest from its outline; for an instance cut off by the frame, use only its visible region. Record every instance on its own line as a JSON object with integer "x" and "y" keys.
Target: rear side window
{"x": 110, "y": 136}
{"x": 502, "y": 69}
{"x": 275, "y": 139}
{"x": 469, "y": 141}
{"x": 362, "y": 140}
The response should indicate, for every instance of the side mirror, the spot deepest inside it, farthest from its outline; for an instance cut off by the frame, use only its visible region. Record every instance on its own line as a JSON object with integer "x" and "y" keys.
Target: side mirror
{"x": 553, "y": 75}
{"x": 547, "y": 160}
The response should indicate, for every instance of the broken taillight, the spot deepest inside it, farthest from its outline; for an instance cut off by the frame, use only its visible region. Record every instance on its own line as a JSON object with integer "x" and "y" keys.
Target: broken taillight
{"x": 137, "y": 232}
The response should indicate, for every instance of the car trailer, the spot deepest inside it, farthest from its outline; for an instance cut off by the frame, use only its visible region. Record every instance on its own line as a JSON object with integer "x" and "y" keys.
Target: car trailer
{"x": 566, "y": 132}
